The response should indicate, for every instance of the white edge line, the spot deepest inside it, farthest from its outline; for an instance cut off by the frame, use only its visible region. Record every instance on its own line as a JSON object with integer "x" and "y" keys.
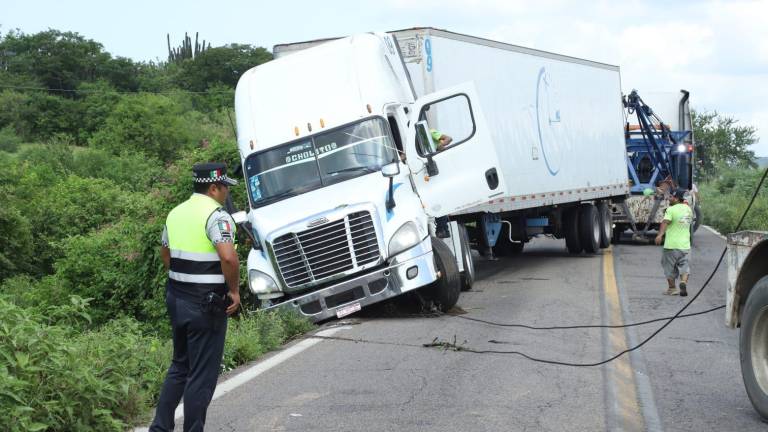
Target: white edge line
{"x": 714, "y": 231}
{"x": 259, "y": 368}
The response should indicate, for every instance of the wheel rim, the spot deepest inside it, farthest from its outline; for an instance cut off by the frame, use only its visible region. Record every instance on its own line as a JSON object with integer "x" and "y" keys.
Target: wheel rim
{"x": 759, "y": 349}
{"x": 470, "y": 266}
{"x": 607, "y": 225}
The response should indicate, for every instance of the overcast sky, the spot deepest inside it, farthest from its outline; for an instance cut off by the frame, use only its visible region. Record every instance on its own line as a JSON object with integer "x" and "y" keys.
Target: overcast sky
{"x": 718, "y": 50}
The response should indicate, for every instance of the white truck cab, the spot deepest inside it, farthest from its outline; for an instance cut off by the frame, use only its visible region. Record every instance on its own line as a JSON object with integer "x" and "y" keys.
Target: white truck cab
{"x": 338, "y": 163}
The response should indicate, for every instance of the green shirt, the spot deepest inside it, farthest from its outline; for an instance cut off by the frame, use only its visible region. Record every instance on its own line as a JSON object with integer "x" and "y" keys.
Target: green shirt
{"x": 678, "y": 234}
{"x": 435, "y": 135}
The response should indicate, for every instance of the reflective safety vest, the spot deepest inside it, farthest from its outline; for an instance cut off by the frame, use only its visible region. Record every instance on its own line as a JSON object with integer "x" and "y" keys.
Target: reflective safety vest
{"x": 195, "y": 268}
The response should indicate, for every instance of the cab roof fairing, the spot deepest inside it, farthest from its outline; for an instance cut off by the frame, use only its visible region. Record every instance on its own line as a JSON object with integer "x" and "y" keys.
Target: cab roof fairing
{"x": 334, "y": 82}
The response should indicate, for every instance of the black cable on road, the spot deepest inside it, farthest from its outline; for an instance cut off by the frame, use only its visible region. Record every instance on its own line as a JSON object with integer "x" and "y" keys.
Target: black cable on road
{"x": 453, "y": 346}
{"x": 587, "y": 326}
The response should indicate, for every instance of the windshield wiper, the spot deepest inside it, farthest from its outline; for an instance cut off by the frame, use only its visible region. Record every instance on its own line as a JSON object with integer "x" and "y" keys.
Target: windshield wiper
{"x": 352, "y": 169}
{"x": 276, "y": 197}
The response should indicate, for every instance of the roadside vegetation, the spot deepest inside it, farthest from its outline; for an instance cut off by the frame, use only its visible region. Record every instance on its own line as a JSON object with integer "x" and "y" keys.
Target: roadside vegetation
{"x": 727, "y": 173}
{"x": 94, "y": 152}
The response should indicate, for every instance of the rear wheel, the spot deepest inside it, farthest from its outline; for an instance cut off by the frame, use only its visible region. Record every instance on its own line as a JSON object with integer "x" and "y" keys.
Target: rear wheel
{"x": 571, "y": 230}
{"x": 444, "y": 292}
{"x": 753, "y": 346}
{"x": 606, "y": 224}
{"x": 468, "y": 275}
{"x": 589, "y": 228}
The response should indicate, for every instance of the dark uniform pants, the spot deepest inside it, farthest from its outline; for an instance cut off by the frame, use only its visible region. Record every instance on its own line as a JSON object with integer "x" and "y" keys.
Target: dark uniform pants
{"x": 198, "y": 346}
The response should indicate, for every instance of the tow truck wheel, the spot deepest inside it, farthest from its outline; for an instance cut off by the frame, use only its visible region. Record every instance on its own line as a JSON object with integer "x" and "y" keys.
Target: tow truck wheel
{"x": 697, "y": 217}
{"x": 606, "y": 224}
{"x": 589, "y": 228}
{"x": 468, "y": 275}
{"x": 444, "y": 292}
{"x": 571, "y": 230}
{"x": 753, "y": 346}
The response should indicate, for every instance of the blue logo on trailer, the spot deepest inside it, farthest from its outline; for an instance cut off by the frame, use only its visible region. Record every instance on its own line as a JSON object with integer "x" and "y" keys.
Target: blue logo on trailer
{"x": 547, "y": 134}
{"x": 428, "y": 50}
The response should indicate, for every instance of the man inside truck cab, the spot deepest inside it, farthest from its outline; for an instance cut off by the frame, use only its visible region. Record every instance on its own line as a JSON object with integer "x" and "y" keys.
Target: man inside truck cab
{"x": 440, "y": 140}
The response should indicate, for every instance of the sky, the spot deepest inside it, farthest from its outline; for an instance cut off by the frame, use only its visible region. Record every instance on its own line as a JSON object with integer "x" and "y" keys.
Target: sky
{"x": 717, "y": 50}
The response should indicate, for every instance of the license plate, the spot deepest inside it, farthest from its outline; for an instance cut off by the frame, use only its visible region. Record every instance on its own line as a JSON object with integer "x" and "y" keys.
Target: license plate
{"x": 347, "y": 310}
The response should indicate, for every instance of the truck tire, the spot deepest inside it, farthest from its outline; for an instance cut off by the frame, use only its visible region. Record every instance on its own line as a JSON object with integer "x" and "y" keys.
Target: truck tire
{"x": 571, "y": 230}
{"x": 697, "y": 217}
{"x": 444, "y": 292}
{"x": 503, "y": 246}
{"x": 618, "y": 230}
{"x": 589, "y": 228}
{"x": 606, "y": 224}
{"x": 753, "y": 346}
{"x": 468, "y": 275}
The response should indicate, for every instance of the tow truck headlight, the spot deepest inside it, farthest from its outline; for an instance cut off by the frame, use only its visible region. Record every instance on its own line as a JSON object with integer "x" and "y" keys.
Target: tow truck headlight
{"x": 261, "y": 283}
{"x": 681, "y": 148}
{"x": 406, "y": 237}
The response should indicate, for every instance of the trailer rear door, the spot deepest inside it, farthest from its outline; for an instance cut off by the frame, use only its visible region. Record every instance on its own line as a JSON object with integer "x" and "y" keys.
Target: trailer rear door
{"x": 464, "y": 173}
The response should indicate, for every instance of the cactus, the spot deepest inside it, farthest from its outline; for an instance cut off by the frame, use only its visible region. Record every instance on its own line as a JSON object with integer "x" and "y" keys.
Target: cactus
{"x": 185, "y": 51}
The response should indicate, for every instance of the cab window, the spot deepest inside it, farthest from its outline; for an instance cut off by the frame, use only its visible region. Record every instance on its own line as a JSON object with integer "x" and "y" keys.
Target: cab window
{"x": 450, "y": 122}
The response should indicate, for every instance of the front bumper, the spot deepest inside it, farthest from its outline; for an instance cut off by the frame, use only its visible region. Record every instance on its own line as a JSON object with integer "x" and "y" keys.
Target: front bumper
{"x": 369, "y": 288}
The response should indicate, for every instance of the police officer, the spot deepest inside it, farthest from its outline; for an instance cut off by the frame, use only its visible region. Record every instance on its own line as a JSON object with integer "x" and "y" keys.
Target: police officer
{"x": 203, "y": 278}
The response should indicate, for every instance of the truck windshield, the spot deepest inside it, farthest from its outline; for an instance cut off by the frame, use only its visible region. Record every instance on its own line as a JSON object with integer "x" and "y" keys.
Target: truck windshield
{"x": 320, "y": 160}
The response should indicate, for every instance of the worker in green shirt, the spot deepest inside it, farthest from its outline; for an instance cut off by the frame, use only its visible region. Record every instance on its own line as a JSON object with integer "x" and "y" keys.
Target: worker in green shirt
{"x": 677, "y": 244}
{"x": 440, "y": 139}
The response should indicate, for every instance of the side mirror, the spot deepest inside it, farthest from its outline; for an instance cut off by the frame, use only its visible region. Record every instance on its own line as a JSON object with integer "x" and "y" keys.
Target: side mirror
{"x": 432, "y": 169}
{"x": 240, "y": 217}
{"x": 390, "y": 170}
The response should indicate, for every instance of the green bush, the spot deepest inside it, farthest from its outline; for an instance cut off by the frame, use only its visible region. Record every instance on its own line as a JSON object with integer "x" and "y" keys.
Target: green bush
{"x": 17, "y": 242}
{"x": 724, "y": 199}
{"x": 118, "y": 267}
{"x": 9, "y": 141}
{"x": 54, "y": 378}
{"x": 149, "y": 123}
{"x": 131, "y": 171}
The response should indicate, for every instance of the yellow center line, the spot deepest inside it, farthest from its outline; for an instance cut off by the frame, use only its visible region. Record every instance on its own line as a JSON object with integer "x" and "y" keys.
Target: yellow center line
{"x": 625, "y": 403}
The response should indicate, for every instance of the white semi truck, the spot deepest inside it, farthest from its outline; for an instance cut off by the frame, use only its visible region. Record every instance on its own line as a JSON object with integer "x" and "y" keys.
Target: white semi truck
{"x": 346, "y": 180}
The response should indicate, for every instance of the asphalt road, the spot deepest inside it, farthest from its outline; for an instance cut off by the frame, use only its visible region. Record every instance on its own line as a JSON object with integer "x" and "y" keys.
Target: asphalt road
{"x": 687, "y": 378}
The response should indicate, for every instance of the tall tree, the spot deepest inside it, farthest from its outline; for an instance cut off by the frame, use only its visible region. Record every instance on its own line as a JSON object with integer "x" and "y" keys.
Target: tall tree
{"x": 220, "y": 65}
{"x": 62, "y": 60}
{"x": 720, "y": 140}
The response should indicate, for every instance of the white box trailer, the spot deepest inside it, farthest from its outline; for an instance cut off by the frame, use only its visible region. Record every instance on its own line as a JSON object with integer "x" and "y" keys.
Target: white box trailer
{"x": 555, "y": 123}
{"x": 373, "y": 162}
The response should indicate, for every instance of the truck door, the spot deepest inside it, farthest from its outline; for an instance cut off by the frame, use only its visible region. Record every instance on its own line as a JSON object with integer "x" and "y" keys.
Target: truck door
{"x": 450, "y": 152}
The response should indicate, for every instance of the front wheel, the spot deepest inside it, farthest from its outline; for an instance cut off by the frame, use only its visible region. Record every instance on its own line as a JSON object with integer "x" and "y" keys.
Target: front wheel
{"x": 753, "y": 346}
{"x": 444, "y": 292}
{"x": 468, "y": 275}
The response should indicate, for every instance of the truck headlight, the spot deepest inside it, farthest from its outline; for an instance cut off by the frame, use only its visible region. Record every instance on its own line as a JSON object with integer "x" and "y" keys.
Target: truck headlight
{"x": 406, "y": 237}
{"x": 261, "y": 283}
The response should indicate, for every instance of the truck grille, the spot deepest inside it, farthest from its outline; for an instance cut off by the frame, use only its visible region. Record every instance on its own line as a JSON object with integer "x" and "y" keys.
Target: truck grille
{"x": 328, "y": 250}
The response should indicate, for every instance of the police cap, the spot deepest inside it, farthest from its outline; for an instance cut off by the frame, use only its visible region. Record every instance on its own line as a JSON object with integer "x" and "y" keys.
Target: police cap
{"x": 212, "y": 172}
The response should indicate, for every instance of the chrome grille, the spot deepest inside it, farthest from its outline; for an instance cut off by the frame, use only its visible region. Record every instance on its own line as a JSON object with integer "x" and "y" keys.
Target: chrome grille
{"x": 327, "y": 250}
